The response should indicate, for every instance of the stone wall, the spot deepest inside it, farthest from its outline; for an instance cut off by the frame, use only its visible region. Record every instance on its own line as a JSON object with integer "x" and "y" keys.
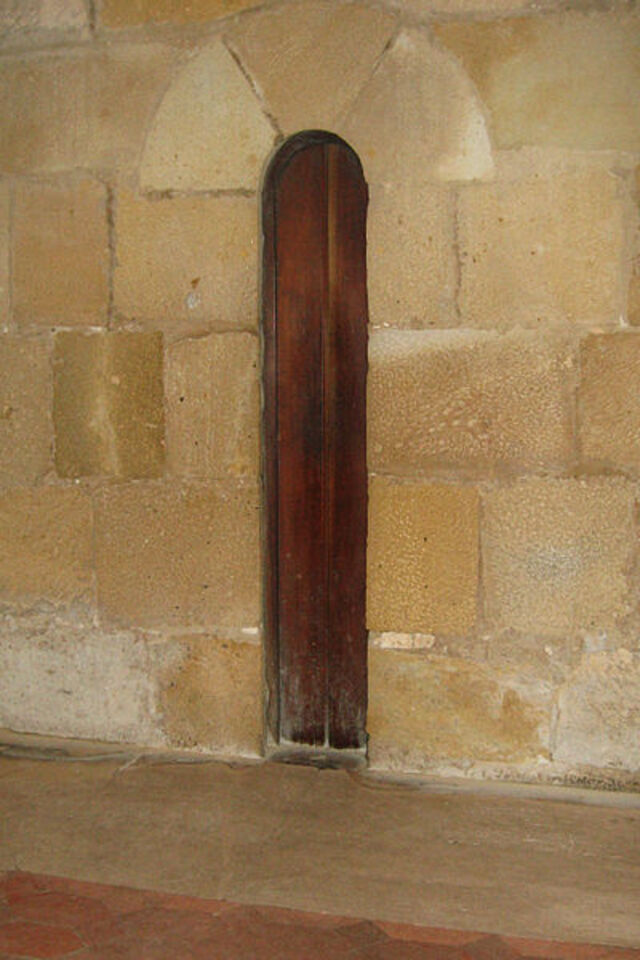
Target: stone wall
{"x": 501, "y": 142}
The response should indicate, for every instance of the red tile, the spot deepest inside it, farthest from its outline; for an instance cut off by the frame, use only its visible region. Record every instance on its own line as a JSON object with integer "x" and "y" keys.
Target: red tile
{"x": 406, "y": 950}
{"x": 153, "y": 923}
{"x": 21, "y": 885}
{"x": 38, "y": 940}
{"x": 120, "y": 900}
{"x": 93, "y": 921}
{"x": 303, "y": 918}
{"x": 490, "y": 948}
{"x": 436, "y": 935}
{"x": 556, "y": 950}
{"x": 247, "y": 940}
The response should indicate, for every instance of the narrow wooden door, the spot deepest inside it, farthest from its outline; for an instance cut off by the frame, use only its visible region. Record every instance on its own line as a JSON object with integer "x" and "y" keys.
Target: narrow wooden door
{"x": 315, "y": 360}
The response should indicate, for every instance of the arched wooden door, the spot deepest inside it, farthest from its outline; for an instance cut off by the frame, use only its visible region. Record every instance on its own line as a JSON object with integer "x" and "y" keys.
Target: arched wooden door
{"x": 315, "y": 360}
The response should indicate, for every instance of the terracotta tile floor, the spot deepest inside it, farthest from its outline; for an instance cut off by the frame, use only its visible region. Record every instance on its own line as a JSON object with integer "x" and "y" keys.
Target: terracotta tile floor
{"x": 53, "y": 917}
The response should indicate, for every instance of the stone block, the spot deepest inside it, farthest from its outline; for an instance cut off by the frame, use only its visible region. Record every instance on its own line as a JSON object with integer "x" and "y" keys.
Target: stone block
{"x": 310, "y": 59}
{"x": 188, "y": 264}
{"x": 108, "y": 404}
{"x": 27, "y": 19}
{"x": 472, "y": 402}
{"x": 5, "y": 213}
{"x": 418, "y": 118}
{"x": 132, "y": 13}
{"x": 179, "y": 555}
{"x": 556, "y": 555}
{"x": 45, "y": 546}
{"x": 542, "y": 250}
{"x": 425, "y": 708}
{"x": 210, "y": 132}
{"x": 608, "y": 400}
{"x": 61, "y": 254}
{"x": 26, "y": 430}
{"x": 64, "y": 110}
{"x": 412, "y": 268}
{"x": 422, "y": 557}
{"x": 589, "y": 61}
{"x": 213, "y": 406}
{"x": 598, "y": 712}
{"x": 62, "y": 676}
{"x": 212, "y": 698}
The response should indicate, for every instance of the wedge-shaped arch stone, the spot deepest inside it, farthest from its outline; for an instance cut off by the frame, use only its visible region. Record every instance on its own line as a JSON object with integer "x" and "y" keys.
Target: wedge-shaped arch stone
{"x": 209, "y": 132}
{"x": 311, "y": 59}
{"x": 418, "y": 118}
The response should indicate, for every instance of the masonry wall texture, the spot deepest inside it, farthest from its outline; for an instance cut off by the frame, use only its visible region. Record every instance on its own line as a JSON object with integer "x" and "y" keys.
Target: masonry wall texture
{"x": 501, "y": 143}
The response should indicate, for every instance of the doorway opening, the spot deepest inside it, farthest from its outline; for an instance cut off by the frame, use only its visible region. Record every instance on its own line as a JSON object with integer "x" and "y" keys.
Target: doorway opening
{"x": 315, "y": 361}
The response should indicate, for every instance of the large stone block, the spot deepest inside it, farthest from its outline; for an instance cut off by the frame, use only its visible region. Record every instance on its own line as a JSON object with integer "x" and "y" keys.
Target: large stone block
{"x": 187, "y": 263}
{"x": 213, "y": 406}
{"x": 570, "y": 80}
{"x": 422, "y": 557}
{"x": 62, "y": 676}
{"x": 212, "y": 697}
{"x": 210, "y": 132}
{"x": 81, "y": 109}
{"x": 598, "y": 712}
{"x": 412, "y": 268}
{"x": 26, "y": 431}
{"x": 179, "y": 556}
{"x": 418, "y": 118}
{"x": 61, "y": 254}
{"x": 542, "y": 250}
{"x": 473, "y": 402}
{"x": 132, "y": 13}
{"x": 108, "y": 404}
{"x": 425, "y": 708}
{"x": 608, "y": 400}
{"x": 556, "y": 554}
{"x": 45, "y": 546}
{"x": 310, "y": 59}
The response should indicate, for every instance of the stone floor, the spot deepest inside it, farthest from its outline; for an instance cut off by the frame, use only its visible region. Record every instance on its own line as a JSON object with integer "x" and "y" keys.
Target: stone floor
{"x": 209, "y": 859}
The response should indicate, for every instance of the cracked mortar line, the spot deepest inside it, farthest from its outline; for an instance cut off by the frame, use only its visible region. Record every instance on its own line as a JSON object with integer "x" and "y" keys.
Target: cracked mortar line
{"x": 255, "y": 90}
{"x": 457, "y": 256}
{"x": 112, "y": 257}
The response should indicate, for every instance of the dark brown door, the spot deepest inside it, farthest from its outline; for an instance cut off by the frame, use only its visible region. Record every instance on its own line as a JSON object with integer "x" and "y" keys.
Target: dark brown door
{"x": 315, "y": 353}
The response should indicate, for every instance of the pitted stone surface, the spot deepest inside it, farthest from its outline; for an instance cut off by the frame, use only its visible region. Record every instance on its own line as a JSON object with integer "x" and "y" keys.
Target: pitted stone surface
{"x": 209, "y": 132}
{"x": 418, "y": 118}
{"x": 26, "y": 431}
{"x": 132, "y": 13}
{"x": 213, "y": 406}
{"x": 422, "y": 559}
{"x": 556, "y": 554}
{"x": 472, "y": 402}
{"x": 187, "y": 264}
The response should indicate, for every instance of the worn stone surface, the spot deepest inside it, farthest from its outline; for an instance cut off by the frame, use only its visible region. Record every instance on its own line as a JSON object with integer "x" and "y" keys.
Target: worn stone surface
{"x": 45, "y": 546}
{"x": 608, "y": 398}
{"x": 188, "y": 263}
{"x": 422, "y": 560}
{"x": 131, "y": 13}
{"x": 412, "y": 270}
{"x": 20, "y": 19}
{"x": 472, "y": 402}
{"x": 64, "y": 111}
{"x": 556, "y": 554}
{"x": 179, "y": 555}
{"x": 542, "y": 250}
{"x": 424, "y": 708}
{"x": 213, "y": 406}
{"x": 61, "y": 254}
{"x": 108, "y": 404}
{"x": 212, "y": 698}
{"x": 209, "y": 132}
{"x": 633, "y": 298}
{"x": 26, "y": 431}
{"x": 5, "y": 210}
{"x": 589, "y": 61}
{"x": 310, "y": 59}
{"x": 598, "y": 712}
{"x": 60, "y": 675}
{"x": 418, "y": 117}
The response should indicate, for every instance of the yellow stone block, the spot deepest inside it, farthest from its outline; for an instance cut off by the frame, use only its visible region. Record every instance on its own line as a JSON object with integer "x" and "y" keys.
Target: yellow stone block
{"x": 26, "y": 430}
{"x": 132, "y": 13}
{"x": 422, "y": 558}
